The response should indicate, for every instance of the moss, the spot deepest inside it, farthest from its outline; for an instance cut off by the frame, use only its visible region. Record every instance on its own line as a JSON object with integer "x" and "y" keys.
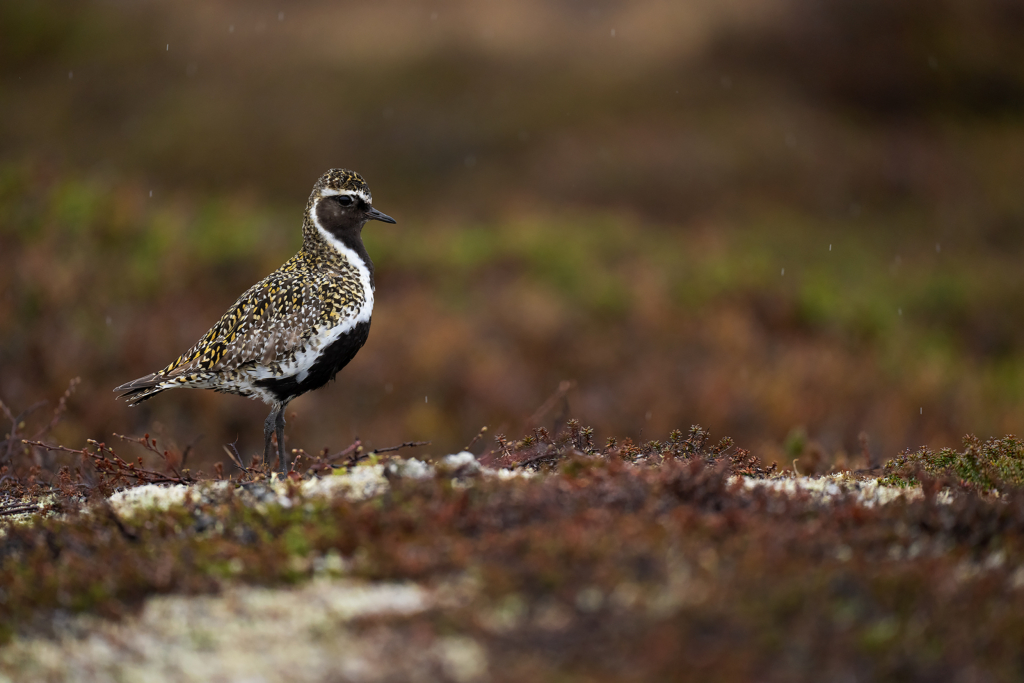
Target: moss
{"x": 993, "y": 465}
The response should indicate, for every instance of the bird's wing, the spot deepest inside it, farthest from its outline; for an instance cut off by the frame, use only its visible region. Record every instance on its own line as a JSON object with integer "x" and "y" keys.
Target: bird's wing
{"x": 268, "y": 322}
{"x": 263, "y": 328}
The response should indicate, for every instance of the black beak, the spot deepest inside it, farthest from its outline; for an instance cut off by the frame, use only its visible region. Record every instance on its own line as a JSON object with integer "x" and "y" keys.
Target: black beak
{"x": 376, "y": 215}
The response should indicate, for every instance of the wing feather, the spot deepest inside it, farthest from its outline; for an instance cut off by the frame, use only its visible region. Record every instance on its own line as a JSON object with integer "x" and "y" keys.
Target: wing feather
{"x": 263, "y": 330}
{"x": 265, "y": 325}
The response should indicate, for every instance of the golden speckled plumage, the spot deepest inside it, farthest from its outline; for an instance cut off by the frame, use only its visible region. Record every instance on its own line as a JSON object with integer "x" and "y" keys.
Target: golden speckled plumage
{"x": 269, "y": 323}
{"x": 292, "y": 331}
{"x": 314, "y": 290}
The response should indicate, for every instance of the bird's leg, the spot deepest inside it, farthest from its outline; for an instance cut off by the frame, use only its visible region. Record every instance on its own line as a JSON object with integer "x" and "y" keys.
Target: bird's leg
{"x": 280, "y": 439}
{"x": 268, "y": 429}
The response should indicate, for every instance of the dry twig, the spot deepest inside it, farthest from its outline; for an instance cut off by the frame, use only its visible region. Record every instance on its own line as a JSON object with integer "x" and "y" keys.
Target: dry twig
{"x": 479, "y": 435}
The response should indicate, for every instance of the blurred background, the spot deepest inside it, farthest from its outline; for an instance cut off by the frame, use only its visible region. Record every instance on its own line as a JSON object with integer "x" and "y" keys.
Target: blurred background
{"x": 799, "y": 223}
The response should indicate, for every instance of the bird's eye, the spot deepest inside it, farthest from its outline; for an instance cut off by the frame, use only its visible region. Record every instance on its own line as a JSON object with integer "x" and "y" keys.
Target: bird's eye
{"x": 345, "y": 200}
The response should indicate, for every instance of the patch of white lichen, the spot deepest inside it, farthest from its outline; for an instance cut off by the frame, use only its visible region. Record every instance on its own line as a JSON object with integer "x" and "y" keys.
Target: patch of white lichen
{"x": 252, "y": 634}
{"x": 867, "y": 492}
{"x": 365, "y": 481}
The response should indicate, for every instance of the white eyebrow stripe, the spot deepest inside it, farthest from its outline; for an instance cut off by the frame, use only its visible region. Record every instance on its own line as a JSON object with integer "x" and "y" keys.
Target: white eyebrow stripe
{"x": 328, "y": 192}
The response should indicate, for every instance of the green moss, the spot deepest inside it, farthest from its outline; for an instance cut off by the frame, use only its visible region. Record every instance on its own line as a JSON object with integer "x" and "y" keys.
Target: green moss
{"x": 996, "y": 464}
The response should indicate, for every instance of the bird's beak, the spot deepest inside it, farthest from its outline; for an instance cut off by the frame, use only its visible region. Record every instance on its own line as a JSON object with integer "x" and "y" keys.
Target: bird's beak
{"x": 376, "y": 215}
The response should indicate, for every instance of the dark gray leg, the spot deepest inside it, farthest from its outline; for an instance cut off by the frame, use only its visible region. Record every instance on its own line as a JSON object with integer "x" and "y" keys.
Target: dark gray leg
{"x": 268, "y": 429}
{"x": 280, "y": 440}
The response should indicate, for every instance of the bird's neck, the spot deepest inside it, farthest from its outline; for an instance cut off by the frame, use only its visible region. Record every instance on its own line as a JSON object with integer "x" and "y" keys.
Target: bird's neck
{"x": 334, "y": 251}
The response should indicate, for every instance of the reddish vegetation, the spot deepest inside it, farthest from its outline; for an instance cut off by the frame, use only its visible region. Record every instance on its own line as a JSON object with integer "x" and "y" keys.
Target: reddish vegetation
{"x": 628, "y": 563}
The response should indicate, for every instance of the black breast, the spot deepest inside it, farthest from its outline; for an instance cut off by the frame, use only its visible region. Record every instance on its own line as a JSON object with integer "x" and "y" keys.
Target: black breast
{"x": 332, "y": 358}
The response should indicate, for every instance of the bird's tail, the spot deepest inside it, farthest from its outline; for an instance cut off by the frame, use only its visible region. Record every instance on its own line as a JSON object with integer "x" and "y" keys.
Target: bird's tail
{"x": 137, "y": 391}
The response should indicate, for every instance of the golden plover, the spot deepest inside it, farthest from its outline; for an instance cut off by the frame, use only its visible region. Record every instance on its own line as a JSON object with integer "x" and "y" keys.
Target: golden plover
{"x": 294, "y": 330}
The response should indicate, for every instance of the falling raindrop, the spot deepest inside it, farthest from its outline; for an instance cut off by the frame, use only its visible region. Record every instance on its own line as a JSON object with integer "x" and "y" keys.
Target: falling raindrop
{"x": 613, "y": 33}
{"x": 830, "y": 247}
{"x": 433, "y": 16}
{"x": 648, "y": 415}
{"x": 168, "y": 47}
{"x": 426, "y": 399}
{"x": 783, "y": 271}
{"x": 922, "y": 411}
{"x": 151, "y": 193}
{"x": 280, "y": 16}
{"x": 899, "y": 311}
{"x": 71, "y": 74}
{"x": 938, "y": 248}
{"x": 231, "y": 28}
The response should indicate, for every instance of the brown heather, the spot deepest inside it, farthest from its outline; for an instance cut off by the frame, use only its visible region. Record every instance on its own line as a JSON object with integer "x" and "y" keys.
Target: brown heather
{"x": 624, "y": 562}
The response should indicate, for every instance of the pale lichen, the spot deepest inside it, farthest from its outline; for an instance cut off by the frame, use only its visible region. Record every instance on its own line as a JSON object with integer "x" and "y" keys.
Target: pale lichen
{"x": 867, "y": 492}
{"x": 298, "y": 634}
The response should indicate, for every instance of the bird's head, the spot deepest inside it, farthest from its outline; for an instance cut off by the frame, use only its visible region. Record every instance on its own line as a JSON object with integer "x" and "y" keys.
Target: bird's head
{"x": 341, "y": 204}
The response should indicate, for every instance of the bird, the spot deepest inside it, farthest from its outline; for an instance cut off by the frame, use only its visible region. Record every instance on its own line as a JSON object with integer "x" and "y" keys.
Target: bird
{"x": 295, "y": 329}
